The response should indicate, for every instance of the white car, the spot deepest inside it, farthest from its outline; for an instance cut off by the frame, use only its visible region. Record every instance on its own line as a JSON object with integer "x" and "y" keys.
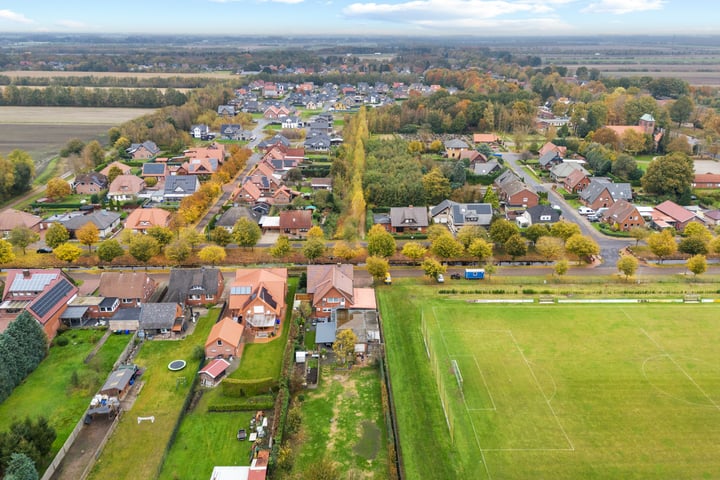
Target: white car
{"x": 440, "y": 278}
{"x": 586, "y": 211}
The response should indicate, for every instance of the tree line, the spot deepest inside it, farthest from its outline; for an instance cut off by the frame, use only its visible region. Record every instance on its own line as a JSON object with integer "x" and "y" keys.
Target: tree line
{"x": 62, "y": 96}
{"x": 23, "y": 345}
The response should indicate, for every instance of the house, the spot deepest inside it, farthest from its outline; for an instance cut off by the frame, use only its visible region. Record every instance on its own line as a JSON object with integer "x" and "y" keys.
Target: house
{"x": 622, "y": 215}
{"x": 257, "y": 298}
{"x": 43, "y": 293}
{"x": 706, "y": 180}
{"x": 317, "y": 143}
{"x": 143, "y": 151}
{"x": 291, "y": 122}
{"x": 455, "y": 147}
{"x": 124, "y": 169}
{"x": 107, "y": 222}
{"x": 231, "y": 216}
{"x": 457, "y": 215}
{"x": 601, "y": 192}
{"x": 539, "y": 214}
{"x": 201, "y": 166}
{"x": 295, "y": 223}
{"x": 11, "y": 218}
{"x": 324, "y": 183}
{"x": 551, "y": 147}
{"x": 561, "y": 171}
{"x": 200, "y": 131}
{"x": 90, "y": 183}
{"x": 473, "y": 157}
{"x": 489, "y": 168}
{"x": 576, "y": 181}
{"x": 226, "y": 110}
{"x": 141, "y": 219}
{"x": 673, "y": 215}
{"x": 125, "y": 320}
{"x": 213, "y": 151}
{"x": 645, "y": 126}
{"x": 212, "y": 373}
{"x": 125, "y": 187}
{"x": 249, "y": 192}
{"x": 93, "y": 308}
{"x": 195, "y": 286}
{"x": 178, "y": 187}
{"x": 514, "y": 192}
{"x": 712, "y": 218}
{"x": 549, "y": 160}
{"x": 489, "y": 138}
{"x": 408, "y": 220}
{"x": 157, "y": 170}
{"x": 161, "y": 318}
{"x": 331, "y": 287}
{"x": 232, "y": 131}
{"x": 132, "y": 288}
{"x": 225, "y": 340}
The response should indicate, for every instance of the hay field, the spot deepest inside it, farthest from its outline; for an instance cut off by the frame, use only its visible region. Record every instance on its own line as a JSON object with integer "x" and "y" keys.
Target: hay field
{"x": 61, "y": 74}
{"x": 555, "y": 391}
{"x": 69, "y": 115}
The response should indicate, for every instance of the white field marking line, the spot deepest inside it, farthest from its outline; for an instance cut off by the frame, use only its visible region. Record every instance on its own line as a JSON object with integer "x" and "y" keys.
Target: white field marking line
{"x": 475, "y": 433}
{"x": 532, "y": 372}
{"x": 663, "y": 392}
{"x": 487, "y": 389}
{"x": 680, "y": 368}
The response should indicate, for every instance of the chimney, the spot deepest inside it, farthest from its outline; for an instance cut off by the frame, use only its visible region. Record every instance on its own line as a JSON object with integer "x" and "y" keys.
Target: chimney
{"x": 26, "y": 273}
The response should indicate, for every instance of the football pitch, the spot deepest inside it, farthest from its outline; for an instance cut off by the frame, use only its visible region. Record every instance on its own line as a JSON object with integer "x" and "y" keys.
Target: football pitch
{"x": 554, "y": 391}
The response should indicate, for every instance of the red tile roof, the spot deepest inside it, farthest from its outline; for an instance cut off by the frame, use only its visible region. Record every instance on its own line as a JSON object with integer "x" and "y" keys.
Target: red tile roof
{"x": 215, "y": 368}
{"x": 296, "y": 219}
{"x": 675, "y": 211}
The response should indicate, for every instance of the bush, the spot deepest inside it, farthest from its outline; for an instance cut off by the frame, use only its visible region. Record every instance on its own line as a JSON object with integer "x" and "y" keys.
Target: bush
{"x": 61, "y": 341}
{"x": 235, "y": 388}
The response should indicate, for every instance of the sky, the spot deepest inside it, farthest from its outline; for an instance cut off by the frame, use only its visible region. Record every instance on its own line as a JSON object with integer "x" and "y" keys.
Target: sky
{"x": 482, "y": 18}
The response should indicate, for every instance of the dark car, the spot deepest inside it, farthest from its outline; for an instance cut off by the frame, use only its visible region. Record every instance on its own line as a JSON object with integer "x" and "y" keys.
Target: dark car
{"x": 242, "y": 434}
{"x": 455, "y": 276}
{"x": 44, "y": 250}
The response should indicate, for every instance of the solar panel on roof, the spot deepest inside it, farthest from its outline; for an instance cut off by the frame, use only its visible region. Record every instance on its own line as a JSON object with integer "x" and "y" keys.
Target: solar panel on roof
{"x": 46, "y": 302}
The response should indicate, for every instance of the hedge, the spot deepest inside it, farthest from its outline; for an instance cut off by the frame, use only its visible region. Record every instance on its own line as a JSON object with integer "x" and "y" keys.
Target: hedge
{"x": 236, "y": 388}
{"x": 261, "y": 402}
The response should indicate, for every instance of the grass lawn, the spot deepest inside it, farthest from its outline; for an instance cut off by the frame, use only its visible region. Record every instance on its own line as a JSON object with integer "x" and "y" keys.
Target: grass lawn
{"x": 48, "y": 390}
{"x": 555, "y": 391}
{"x": 205, "y": 440}
{"x": 343, "y": 420}
{"x": 136, "y": 450}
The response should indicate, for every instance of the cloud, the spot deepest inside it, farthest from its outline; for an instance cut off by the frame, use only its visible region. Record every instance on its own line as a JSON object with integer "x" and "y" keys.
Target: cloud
{"x": 14, "y": 17}
{"x": 621, "y": 7}
{"x": 464, "y": 14}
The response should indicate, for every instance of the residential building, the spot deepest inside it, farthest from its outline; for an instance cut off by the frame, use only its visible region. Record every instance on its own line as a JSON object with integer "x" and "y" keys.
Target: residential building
{"x": 124, "y": 169}
{"x": 195, "y": 286}
{"x": 90, "y": 183}
{"x": 706, "y": 180}
{"x": 295, "y": 223}
{"x": 576, "y": 181}
{"x": 514, "y": 192}
{"x": 143, "y": 151}
{"x": 456, "y": 215}
{"x": 125, "y": 188}
{"x": 132, "y": 288}
{"x": 601, "y": 192}
{"x": 539, "y": 214}
{"x": 549, "y": 160}
{"x": 331, "y": 287}
{"x": 257, "y": 299}
{"x": 408, "y": 220}
{"x": 489, "y": 138}
{"x": 43, "y": 293}
{"x": 230, "y": 217}
{"x": 107, "y": 222}
{"x": 622, "y": 215}
{"x": 672, "y": 215}
{"x": 455, "y": 147}
{"x": 225, "y": 340}
{"x": 178, "y": 187}
{"x": 161, "y": 318}
{"x": 158, "y": 170}
{"x": 11, "y": 218}
{"x": 141, "y": 219}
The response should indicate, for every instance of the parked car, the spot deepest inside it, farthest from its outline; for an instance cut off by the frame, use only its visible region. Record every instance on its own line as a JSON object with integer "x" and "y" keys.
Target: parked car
{"x": 440, "y": 278}
{"x": 593, "y": 218}
{"x": 456, "y": 276}
{"x": 388, "y": 279}
{"x": 585, "y": 211}
{"x": 44, "y": 250}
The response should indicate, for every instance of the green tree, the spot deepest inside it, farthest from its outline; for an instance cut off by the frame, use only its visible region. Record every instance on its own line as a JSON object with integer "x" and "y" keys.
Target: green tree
{"x": 480, "y": 249}
{"x": 581, "y": 246}
{"x": 23, "y": 171}
{"x": 57, "y": 189}
{"x": 212, "y": 254}
{"x": 246, "y": 233}
{"x": 74, "y": 146}
{"x": 380, "y": 242}
{"x": 446, "y": 247}
{"x": 697, "y": 264}
{"x": 515, "y": 246}
{"x": 313, "y": 249}
{"x": 550, "y": 248}
{"x": 143, "y": 247}
{"x": 281, "y": 248}
{"x": 221, "y": 236}
{"x": 436, "y": 186}
{"x": 6, "y": 251}
{"x": 639, "y": 233}
{"x": 22, "y": 236}
{"x": 20, "y": 467}
{"x": 561, "y": 267}
{"x": 344, "y": 345}
{"x": 432, "y": 268}
{"x": 67, "y": 252}
{"x": 163, "y": 235}
{"x": 88, "y": 234}
{"x": 177, "y": 251}
{"x": 436, "y": 230}
{"x": 191, "y": 236}
{"x": 670, "y": 175}
{"x": 414, "y": 251}
{"x": 535, "y": 231}
{"x": 93, "y": 153}
{"x": 109, "y": 249}
{"x": 627, "y": 265}
{"x": 693, "y": 246}
{"x": 377, "y": 267}
{"x": 681, "y": 109}
{"x": 662, "y": 244}
{"x": 56, "y": 234}
{"x": 113, "y": 173}
{"x": 625, "y": 167}
{"x": 501, "y": 230}
{"x": 491, "y": 198}
{"x": 468, "y": 233}
{"x": 565, "y": 230}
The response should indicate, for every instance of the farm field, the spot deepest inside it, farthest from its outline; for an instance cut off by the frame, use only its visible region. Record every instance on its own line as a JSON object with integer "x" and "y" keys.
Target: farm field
{"x": 554, "y": 391}
{"x": 65, "y": 74}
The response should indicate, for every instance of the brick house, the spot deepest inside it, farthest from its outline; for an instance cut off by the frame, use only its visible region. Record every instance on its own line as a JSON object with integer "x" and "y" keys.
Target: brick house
{"x": 623, "y": 215}
{"x": 295, "y": 223}
{"x": 601, "y": 192}
{"x": 195, "y": 286}
{"x": 225, "y": 340}
{"x": 257, "y": 299}
{"x": 89, "y": 183}
{"x": 132, "y": 288}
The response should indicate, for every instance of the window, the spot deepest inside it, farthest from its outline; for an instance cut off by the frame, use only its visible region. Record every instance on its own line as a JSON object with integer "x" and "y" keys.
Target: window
{"x": 208, "y": 297}
{"x": 333, "y": 299}
{"x": 194, "y": 297}
{"x": 128, "y": 300}
{"x": 242, "y": 290}
{"x": 219, "y": 342}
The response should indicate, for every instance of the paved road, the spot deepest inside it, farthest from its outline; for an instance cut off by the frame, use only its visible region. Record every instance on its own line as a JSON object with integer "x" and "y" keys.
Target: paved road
{"x": 609, "y": 247}
{"x": 230, "y": 186}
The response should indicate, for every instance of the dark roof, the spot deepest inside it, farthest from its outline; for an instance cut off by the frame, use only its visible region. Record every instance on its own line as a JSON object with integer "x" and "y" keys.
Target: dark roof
{"x": 325, "y": 332}
{"x": 118, "y": 380}
{"x": 154, "y": 168}
{"x": 233, "y": 214}
{"x": 92, "y": 177}
{"x": 102, "y": 219}
{"x": 265, "y": 296}
{"x": 549, "y": 157}
{"x": 181, "y": 184}
{"x": 539, "y": 211}
{"x": 408, "y": 217}
{"x": 155, "y": 316}
{"x": 107, "y": 302}
{"x": 44, "y": 304}
{"x": 127, "y": 314}
{"x": 184, "y": 281}
{"x": 76, "y": 311}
